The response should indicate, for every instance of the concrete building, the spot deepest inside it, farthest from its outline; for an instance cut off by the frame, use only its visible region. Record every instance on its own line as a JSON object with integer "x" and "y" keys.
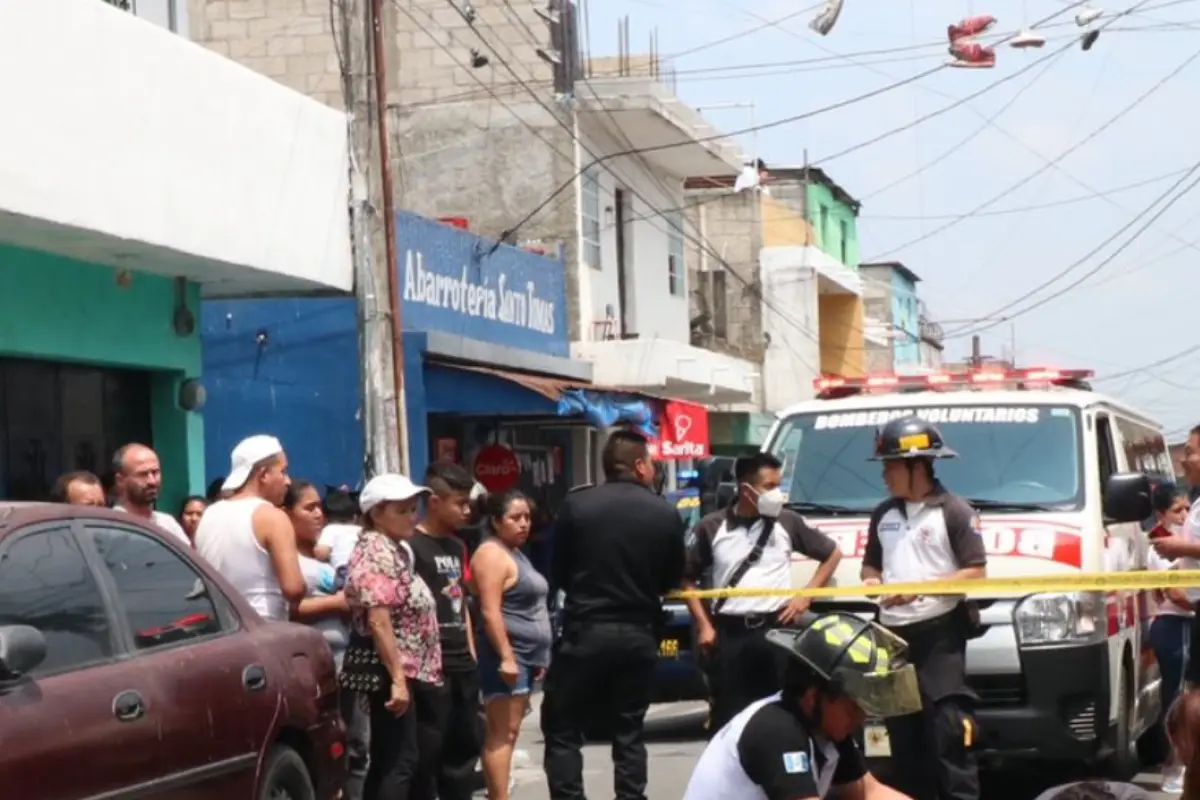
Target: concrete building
{"x": 902, "y": 337}
{"x": 793, "y": 251}
{"x": 148, "y": 174}
{"x": 499, "y": 125}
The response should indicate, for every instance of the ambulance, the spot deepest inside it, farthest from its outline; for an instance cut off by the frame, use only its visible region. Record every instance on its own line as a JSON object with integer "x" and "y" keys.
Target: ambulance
{"x": 1061, "y": 477}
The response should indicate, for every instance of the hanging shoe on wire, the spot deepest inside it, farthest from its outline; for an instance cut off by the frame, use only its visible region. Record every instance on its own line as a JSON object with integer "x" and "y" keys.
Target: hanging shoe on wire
{"x": 1087, "y": 16}
{"x": 971, "y": 55}
{"x": 1027, "y": 39}
{"x": 969, "y": 27}
{"x": 823, "y": 23}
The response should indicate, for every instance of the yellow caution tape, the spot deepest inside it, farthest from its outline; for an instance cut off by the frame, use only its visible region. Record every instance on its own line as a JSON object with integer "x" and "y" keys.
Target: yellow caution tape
{"x": 1084, "y": 582}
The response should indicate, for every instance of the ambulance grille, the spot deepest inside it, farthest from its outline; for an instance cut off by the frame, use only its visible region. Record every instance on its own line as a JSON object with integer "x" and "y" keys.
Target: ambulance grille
{"x": 998, "y": 691}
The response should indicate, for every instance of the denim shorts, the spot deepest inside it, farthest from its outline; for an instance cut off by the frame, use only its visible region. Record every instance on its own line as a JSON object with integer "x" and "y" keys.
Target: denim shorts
{"x": 491, "y": 685}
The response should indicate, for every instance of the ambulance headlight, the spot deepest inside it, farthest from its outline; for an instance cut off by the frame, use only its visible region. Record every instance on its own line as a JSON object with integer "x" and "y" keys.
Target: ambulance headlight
{"x": 1067, "y": 618}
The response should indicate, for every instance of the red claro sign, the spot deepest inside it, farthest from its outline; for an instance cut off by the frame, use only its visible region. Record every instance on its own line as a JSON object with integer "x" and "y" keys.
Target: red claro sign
{"x": 497, "y": 468}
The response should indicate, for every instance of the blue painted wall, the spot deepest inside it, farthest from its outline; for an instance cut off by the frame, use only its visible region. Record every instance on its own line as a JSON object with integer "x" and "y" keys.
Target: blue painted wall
{"x": 304, "y": 386}
{"x": 906, "y": 318}
{"x": 301, "y": 385}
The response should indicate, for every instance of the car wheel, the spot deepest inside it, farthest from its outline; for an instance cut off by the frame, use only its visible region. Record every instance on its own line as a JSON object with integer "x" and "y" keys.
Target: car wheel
{"x": 285, "y": 776}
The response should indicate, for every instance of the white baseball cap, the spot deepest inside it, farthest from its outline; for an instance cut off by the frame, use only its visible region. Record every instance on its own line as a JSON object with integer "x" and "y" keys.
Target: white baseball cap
{"x": 248, "y": 454}
{"x": 389, "y": 488}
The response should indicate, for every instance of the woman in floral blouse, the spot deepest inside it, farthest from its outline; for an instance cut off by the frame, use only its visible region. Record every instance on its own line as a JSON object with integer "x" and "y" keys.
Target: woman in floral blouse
{"x": 394, "y": 657}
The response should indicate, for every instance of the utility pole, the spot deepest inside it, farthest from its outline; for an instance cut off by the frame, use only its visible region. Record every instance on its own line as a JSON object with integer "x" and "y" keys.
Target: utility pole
{"x": 373, "y": 228}
{"x": 976, "y": 352}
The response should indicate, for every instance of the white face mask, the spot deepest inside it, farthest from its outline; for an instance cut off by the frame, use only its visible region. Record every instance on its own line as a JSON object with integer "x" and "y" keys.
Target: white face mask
{"x": 1175, "y": 528}
{"x": 770, "y": 503}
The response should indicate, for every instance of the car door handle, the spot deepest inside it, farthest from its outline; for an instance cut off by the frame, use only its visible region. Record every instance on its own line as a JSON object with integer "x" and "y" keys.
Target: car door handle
{"x": 254, "y": 678}
{"x": 128, "y": 706}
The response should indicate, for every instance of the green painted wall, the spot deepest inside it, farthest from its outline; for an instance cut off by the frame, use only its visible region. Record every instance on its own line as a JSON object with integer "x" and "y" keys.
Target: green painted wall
{"x": 733, "y": 433}
{"x": 828, "y": 226}
{"x": 57, "y": 309}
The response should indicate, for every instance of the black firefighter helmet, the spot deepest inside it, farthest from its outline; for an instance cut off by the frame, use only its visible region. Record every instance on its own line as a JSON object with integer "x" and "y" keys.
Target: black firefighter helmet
{"x": 855, "y": 657}
{"x": 910, "y": 437}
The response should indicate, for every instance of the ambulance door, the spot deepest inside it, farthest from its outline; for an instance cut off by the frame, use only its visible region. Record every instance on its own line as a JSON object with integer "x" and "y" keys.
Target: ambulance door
{"x": 1121, "y": 543}
{"x": 1145, "y": 451}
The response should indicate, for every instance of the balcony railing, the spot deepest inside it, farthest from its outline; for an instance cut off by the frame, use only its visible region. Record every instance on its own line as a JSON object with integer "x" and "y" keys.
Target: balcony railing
{"x": 930, "y": 331}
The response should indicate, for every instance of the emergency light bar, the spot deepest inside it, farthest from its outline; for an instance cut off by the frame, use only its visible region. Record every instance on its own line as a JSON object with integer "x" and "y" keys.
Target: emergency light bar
{"x": 828, "y": 387}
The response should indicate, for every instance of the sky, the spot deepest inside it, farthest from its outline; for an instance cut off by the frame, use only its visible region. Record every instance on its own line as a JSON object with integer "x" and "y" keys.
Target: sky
{"x": 1075, "y": 134}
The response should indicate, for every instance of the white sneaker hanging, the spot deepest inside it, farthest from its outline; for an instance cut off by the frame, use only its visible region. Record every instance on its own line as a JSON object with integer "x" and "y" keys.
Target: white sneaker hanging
{"x": 1028, "y": 38}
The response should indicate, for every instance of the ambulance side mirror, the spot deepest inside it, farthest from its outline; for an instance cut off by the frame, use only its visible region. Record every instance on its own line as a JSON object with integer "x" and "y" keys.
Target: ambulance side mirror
{"x": 1127, "y": 497}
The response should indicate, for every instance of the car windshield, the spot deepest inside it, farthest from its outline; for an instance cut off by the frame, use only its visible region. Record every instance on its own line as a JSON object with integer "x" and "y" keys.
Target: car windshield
{"x": 1023, "y": 457}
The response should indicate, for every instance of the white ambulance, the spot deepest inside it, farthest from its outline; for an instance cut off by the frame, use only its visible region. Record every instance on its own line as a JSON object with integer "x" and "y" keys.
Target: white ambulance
{"x": 1061, "y": 477}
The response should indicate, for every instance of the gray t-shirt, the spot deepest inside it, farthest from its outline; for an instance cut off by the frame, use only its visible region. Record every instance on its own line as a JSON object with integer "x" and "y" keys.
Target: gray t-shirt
{"x": 1118, "y": 791}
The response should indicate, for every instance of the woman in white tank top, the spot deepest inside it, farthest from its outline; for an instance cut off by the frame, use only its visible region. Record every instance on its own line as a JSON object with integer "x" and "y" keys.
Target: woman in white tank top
{"x": 225, "y": 538}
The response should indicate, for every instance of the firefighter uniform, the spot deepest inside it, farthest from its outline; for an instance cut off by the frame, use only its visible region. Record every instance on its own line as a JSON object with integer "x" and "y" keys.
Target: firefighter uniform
{"x": 918, "y": 541}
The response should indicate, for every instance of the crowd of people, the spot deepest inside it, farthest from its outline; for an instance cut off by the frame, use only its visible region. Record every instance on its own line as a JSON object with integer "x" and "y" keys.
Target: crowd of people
{"x": 440, "y": 628}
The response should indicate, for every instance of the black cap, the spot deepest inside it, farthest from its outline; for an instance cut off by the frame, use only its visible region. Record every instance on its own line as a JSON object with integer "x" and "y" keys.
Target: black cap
{"x": 910, "y": 437}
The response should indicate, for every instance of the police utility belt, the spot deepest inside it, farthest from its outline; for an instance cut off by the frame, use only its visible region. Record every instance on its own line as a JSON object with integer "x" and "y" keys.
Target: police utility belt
{"x": 745, "y": 621}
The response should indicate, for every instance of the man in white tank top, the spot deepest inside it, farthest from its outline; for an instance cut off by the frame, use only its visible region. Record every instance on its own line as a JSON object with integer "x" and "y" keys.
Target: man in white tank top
{"x": 248, "y": 537}
{"x": 137, "y": 476}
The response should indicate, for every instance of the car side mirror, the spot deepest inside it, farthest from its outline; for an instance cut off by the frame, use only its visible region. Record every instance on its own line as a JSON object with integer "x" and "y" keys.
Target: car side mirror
{"x": 1127, "y": 497}
{"x": 21, "y": 649}
{"x": 726, "y": 493}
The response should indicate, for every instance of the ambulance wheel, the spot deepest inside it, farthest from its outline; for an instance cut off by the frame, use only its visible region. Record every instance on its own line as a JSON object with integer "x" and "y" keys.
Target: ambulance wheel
{"x": 1123, "y": 762}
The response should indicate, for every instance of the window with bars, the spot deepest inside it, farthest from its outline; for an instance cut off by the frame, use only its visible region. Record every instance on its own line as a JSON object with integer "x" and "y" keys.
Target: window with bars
{"x": 675, "y": 264}
{"x": 590, "y": 219}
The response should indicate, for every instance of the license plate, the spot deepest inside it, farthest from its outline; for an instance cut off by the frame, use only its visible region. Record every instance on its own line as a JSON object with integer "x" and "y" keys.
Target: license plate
{"x": 875, "y": 742}
{"x": 668, "y": 648}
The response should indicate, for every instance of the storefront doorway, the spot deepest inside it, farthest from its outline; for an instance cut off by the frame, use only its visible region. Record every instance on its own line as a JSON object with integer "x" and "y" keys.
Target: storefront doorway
{"x": 57, "y": 417}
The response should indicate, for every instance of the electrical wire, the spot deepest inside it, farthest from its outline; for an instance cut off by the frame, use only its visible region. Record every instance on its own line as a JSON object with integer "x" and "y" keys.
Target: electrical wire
{"x": 1187, "y": 351}
{"x": 809, "y": 114}
{"x": 989, "y": 122}
{"x": 1034, "y": 207}
{"x": 995, "y": 314}
{"x": 1048, "y": 165}
{"x": 704, "y": 245}
{"x": 743, "y": 34}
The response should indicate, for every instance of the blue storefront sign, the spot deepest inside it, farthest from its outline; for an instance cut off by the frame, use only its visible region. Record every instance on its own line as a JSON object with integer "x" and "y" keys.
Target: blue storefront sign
{"x": 452, "y": 281}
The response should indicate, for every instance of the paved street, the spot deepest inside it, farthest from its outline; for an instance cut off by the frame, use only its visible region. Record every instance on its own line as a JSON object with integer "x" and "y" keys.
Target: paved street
{"x": 676, "y": 742}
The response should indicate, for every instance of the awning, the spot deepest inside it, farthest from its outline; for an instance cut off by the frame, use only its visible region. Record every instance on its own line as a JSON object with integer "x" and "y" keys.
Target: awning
{"x": 676, "y": 428}
{"x": 600, "y": 406}
{"x": 550, "y": 388}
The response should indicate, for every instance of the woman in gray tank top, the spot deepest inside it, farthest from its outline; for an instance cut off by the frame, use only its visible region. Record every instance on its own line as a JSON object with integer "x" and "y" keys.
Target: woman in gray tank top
{"x": 514, "y": 645}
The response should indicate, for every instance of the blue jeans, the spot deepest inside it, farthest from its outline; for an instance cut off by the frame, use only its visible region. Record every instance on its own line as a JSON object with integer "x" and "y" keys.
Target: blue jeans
{"x": 491, "y": 685}
{"x": 1170, "y": 636}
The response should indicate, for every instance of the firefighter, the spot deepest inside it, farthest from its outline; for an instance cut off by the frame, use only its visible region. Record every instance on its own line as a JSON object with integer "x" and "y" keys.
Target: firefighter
{"x": 799, "y": 744}
{"x": 923, "y": 532}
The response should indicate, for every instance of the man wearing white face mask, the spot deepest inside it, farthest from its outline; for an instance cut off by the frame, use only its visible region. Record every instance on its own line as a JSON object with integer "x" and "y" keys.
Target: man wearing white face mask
{"x": 750, "y": 546}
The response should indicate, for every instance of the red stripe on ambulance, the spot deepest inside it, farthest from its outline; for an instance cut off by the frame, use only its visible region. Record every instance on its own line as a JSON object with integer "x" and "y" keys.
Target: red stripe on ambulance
{"x": 1061, "y": 544}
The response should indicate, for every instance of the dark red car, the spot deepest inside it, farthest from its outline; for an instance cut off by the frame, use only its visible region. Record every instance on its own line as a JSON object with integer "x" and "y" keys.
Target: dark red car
{"x": 129, "y": 668}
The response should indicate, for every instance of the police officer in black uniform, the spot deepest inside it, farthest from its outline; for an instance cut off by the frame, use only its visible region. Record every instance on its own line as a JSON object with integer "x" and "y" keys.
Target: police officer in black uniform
{"x": 799, "y": 743}
{"x": 617, "y": 549}
{"x": 925, "y": 533}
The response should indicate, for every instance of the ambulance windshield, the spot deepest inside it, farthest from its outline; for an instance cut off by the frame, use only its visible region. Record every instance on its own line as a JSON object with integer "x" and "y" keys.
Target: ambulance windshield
{"x": 1019, "y": 455}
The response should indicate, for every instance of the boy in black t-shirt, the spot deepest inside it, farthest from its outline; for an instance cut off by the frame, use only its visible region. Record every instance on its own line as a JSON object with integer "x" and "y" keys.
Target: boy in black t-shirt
{"x": 441, "y": 560}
